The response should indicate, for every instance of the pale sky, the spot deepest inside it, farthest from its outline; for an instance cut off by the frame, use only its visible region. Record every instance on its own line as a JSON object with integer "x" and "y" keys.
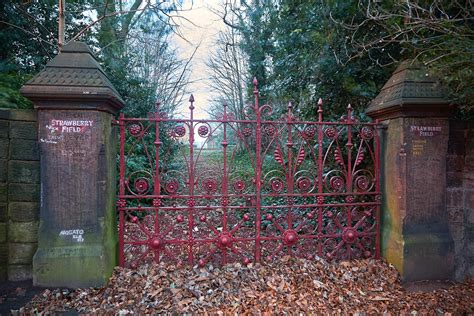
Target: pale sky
{"x": 204, "y": 31}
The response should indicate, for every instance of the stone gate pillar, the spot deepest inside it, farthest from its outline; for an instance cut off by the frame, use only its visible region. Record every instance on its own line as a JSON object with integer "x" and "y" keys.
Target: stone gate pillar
{"x": 415, "y": 237}
{"x": 76, "y": 102}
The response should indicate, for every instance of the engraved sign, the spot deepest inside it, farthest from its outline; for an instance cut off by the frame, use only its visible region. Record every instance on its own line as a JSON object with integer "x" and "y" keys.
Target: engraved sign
{"x": 425, "y": 131}
{"x": 418, "y": 146}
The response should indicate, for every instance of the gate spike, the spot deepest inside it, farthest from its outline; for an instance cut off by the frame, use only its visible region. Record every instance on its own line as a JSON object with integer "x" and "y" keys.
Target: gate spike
{"x": 255, "y": 82}
{"x": 320, "y": 110}
{"x": 290, "y": 106}
{"x": 191, "y": 98}
{"x": 320, "y": 105}
{"x": 349, "y": 113}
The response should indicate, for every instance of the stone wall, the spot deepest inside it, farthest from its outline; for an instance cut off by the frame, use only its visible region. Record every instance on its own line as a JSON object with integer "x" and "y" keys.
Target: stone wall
{"x": 460, "y": 195}
{"x": 19, "y": 193}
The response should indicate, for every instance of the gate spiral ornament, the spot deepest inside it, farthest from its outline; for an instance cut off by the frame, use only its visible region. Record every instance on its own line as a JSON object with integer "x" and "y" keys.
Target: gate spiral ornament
{"x": 247, "y": 187}
{"x": 203, "y": 131}
{"x": 331, "y": 132}
{"x": 247, "y": 132}
{"x": 276, "y": 184}
{"x": 172, "y": 186}
{"x": 179, "y": 131}
{"x": 270, "y": 130}
{"x": 209, "y": 185}
{"x": 309, "y": 132}
{"x": 336, "y": 183}
{"x": 139, "y": 183}
{"x": 136, "y": 129}
{"x": 367, "y": 133}
{"x": 238, "y": 186}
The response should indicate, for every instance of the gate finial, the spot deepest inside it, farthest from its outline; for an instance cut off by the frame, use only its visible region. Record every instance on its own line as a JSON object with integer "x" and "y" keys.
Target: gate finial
{"x": 191, "y": 100}
{"x": 255, "y": 82}
{"x": 320, "y": 110}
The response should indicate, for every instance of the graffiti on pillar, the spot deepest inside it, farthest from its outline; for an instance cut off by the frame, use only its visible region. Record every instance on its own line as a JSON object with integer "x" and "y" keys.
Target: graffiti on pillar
{"x": 57, "y": 128}
{"x": 76, "y": 234}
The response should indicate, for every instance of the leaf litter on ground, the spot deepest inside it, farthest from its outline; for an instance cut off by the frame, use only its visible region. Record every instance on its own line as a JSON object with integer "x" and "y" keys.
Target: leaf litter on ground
{"x": 288, "y": 285}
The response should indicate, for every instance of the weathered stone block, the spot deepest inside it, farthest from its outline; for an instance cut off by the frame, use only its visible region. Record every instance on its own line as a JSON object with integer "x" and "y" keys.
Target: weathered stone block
{"x": 21, "y": 253}
{"x": 460, "y": 270}
{"x": 3, "y": 170}
{"x": 22, "y": 149}
{"x": 23, "y": 232}
{"x": 4, "y": 129}
{"x": 469, "y": 214}
{"x": 18, "y": 115}
{"x": 457, "y": 231}
{"x": 469, "y": 199}
{"x": 454, "y": 198}
{"x": 469, "y": 249}
{"x": 19, "y": 272}
{"x": 3, "y": 212}
{"x": 437, "y": 248}
{"x": 3, "y": 192}
{"x": 454, "y": 179}
{"x": 23, "y": 171}
{"x": 3, "y": 232}
{"x": 23, "y": 211}
{"x": 3, "y": 254}
{"x": 454, "y": 163}
{"x": 4, "y": 145}
{"x": 470, "y": 270}
{"x": 23, "y": 130}
{"x": 469, "y": 164}
{"x": 3, "y": 273}
{"x": 455, "y": 215}
{"x": 456, "y": 147}
{"x": 24, "y": 192}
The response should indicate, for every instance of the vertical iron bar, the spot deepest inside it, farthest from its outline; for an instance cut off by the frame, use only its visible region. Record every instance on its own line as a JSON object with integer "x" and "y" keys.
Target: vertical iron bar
{"x": 377, "y": 187}
{"x": 121, "y": 189}
{"x": 349, "y": 149}
{"x": 349, "y": 146}
{"x": 320, "y": 174}
{"x": 224, "y": 182}
{"x": 289, "y": 169}
{"x": 191, "y": 182}
{"x": 156, "y": 180}
{"x": 258, "y": 171}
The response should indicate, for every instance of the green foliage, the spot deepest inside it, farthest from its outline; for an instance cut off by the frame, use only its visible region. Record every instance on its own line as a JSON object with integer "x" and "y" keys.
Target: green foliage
{"x": 298, "y": 53}
{"x": 27, "y": 42}
{"x": 10, "y": 84}
{"x": 345, "y": 51}
{"x": 438, "y": 33}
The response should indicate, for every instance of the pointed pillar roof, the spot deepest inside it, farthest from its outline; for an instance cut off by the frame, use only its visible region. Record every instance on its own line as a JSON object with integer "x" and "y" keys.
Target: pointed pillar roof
{"x": 73, "y": 80}
{"x": 411, "y": 91}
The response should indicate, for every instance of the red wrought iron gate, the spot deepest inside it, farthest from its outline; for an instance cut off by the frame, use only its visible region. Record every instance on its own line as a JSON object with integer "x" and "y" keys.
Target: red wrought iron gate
{"x": 247, "y": 190}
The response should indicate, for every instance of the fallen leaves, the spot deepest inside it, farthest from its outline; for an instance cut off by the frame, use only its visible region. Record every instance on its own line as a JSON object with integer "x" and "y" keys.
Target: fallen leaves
{"x": 286, "y": 286}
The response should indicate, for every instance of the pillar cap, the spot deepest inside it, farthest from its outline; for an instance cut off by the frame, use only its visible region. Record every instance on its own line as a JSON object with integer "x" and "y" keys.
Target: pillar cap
{"x": 411, "y": 92}
{"x": 73, "y": 80}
